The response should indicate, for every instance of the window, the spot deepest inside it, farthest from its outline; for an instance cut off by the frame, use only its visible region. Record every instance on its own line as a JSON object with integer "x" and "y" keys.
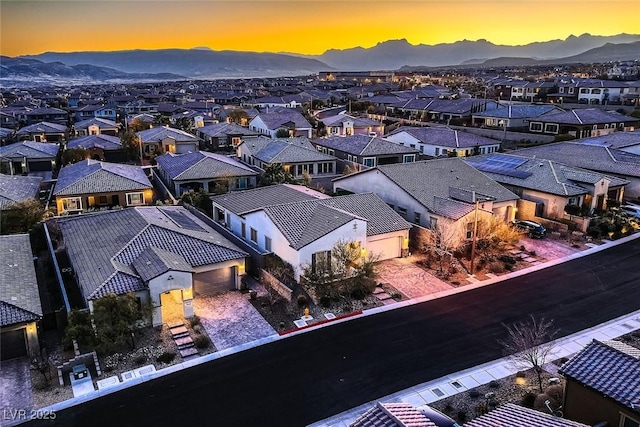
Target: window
{"x": 369, "y": 161}
{"x": 267, "y": 243}
{"x": 625, "y": 421}
{"x": 134, "y": 199}
{"x": 574, "y": 201}
{"x": 551, "y": 128}
{"x": 409, "y": 158}
{"x": 236, "y": 141}
{"x": 433, "y": 222}
{"x": 416, "y": 217}
{"x": 437, "y": 151}
{"x": 421, "y": 149}
{"x": 561, "y": 90}
{"x": 570, "y": 90}
{"x": 402, "y": 211}
{"x": 72, "y": 204}
{"x": 325, "y": 167}
{"x": 102, "y": 200}
{"x": 321, "y": 261}
{"x": 331, "y": 152}
{"x": 254, "y": 235}
{"x": 535, "y": 127}
{"x": 243, "y": 183}
{"x": 584, "y": 90}
{"x": 243, "y": 230}
{"x": 469, "y": 230}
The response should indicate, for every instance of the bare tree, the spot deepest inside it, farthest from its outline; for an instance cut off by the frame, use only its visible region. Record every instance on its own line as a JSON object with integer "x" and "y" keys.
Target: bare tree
{"x": 528, "y": 343}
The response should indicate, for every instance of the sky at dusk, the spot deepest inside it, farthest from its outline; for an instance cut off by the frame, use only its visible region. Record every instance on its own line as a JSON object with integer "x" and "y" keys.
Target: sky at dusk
{"x": 300, "y": 26}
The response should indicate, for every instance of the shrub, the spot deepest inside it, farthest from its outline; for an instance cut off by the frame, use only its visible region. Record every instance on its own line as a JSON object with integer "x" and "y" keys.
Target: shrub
{"x": 494, "y": 384}
{"x": 520, "y": 374}
{"x": 507, "y": 259}
{"x": 532, "y": 253}
{"x": 40, "y": 384}
{"x": 448, "y": 408}
{"x": 301, "y": 300}
{"x": 325, "y": 301}
{"x": 496, "y": 267}
{"x": 462, "y": 416}
{"x": 528, "y": 400}
{"x": 474, "y": 393}
{"x": 195, "y": 320}
{"x": 555, "y": 392}
{"x": 166, "y": 357}
{"x": 202, "y": 341}
{"x": 140, "y": 359}
{"x": 538, "y": 403}
{"x": 358, "y": 294}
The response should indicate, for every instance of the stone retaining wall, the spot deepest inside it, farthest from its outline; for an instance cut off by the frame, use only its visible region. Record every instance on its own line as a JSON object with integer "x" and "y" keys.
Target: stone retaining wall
{"x": 271, "y": 282}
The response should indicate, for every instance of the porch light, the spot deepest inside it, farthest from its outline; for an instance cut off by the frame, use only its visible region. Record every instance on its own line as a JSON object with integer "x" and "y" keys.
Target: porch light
{"x": 187, "y": 293}
{"x": 405, "y": 243}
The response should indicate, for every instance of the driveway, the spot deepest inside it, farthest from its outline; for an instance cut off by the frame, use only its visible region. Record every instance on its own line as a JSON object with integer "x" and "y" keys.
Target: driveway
{"x": 15, "y": 392}
{"x": 408, "y": 278}
{"x": 550, "y": 248}
{"x": 230, "y": 319}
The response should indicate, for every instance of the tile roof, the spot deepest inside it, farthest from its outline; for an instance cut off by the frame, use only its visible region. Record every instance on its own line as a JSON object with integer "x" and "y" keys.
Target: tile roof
{"x": 278, "y": 117}
{"x": 518, "y": 111}
{"x": 106, "y": 142}
{"x": 431, "y": 182}
{"x": 392, "y": 415}
{"x": 101, "y": 123}
{"x": 358, "y": 122}
{"x": 287, "y": 150}
{"x": 445, "y": 137}
{"x": 157, "y": 134}
{"x": 541, "y": 175}
{"x": 91, "y": 176}
{"x": 17, "y": 188}
{"x": 617, "y": 140}
{"x": 106, "y": 261}
{"x": 153, "y": 262}
{"x": 607, "y": 370}
{"x": 587, "y": 116}
{"x": 202, "y": 165}
{"x": 19, "y": 296}
{"x": 511, "y": 415}
{"x": 592, "y": 157}
{"x": 30, "y": 150}
{"x": 224, "y": 129}
{"x": 362, "y": 145}
{"x": 42, "y": 127}
{"x": 243, "y": 202}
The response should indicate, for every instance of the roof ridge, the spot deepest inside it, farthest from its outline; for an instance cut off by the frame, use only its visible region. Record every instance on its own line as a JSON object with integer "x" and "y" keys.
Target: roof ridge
{"x": 576, "y": 115}
{"x": 555, "y": 175}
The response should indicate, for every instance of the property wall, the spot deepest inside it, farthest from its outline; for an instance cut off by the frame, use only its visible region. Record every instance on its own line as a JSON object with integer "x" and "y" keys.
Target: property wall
{"x": 553, "y": 204}
{"x": 585, "y": 405}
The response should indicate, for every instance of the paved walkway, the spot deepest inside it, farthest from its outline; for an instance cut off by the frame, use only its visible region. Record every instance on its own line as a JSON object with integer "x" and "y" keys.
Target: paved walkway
{"x": 230, "y": 320}
{"x": 441, "y": 388}
{"x": 408, "y": 278}
{"x": 15, "y": 385}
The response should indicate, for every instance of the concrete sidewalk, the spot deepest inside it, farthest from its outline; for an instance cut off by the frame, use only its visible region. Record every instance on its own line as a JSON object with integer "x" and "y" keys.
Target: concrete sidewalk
{"x": 467, "y": 379}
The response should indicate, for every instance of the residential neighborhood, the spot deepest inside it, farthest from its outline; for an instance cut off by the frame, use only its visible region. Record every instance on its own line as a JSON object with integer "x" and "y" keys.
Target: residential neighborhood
{"x": 170, "y": 227}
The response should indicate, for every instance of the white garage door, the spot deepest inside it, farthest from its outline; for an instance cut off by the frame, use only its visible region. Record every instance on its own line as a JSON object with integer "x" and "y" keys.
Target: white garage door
{"x": 214, "y": 281}
{"x": 385, "y": 248}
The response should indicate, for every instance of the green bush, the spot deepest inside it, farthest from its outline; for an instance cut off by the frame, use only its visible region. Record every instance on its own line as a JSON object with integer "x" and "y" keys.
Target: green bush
{"x": 195, "y": 320}
{"x": 140, "y": 359}
{"x": 474, "y": 393}
{"x": 166, "y": 357}
{"x": 496, "y": 267}
{"x": 301, "y": 300}
{"x": 325, "y": 301}
{"x": 528, "y": 400}
{"x": 494, "y": 384}
{"x": 202, "y": 341}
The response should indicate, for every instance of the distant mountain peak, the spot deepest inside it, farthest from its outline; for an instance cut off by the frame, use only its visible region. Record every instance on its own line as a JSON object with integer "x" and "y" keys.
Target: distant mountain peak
{"x": 201, "y": 48}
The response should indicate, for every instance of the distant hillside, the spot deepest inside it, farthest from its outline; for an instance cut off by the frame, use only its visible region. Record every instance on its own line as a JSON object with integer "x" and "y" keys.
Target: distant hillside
{"x": 21, "y": 72}
{"x": 393, "y": 54}
{"x": 193, "y": 63}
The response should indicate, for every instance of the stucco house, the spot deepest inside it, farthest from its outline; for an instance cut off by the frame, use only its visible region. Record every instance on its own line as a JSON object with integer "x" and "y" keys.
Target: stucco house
{"x": 20, "y": 308}
{"x": 192, "y": 171}
{"x": 297, "y": 155}
{"x": 29, "y": 158}
{"x": 18, "y": 188}
{"x": 603, "y": 385}
{"x": 100, "y": 147}
{"x": 550, "y": 185}
{"x": 628, "y": 142}
{"x": 301, "y": 225}
{"x": 269, "y": 122}
{"x": 95, "y": 126}
{"x": 347, "y": 125}
{"x": 43, "y": 132}
{"x": 224, "y": 135}
{"x": 443, "y": 141}
{"x": 160, "y": 140}
{"x": 90, "y": 183}
{"x": 365, "y": 151}
{"x": 598, "y": 158}
{"x": 439, "y": 193}
{"x": 165, "y": 255}
{"x": 513, "y": 117}
{"x": 583, "y": 123}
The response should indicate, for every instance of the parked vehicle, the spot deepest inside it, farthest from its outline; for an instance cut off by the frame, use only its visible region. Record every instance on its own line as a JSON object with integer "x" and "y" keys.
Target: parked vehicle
{"x": 632, "y": 210}
{"x": 533, "y": 229}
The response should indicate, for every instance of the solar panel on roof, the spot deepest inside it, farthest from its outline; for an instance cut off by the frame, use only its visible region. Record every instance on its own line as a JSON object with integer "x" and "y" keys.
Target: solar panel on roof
{"x": 182, "y": 220}
{"x": 501, "y": 170}
{"x": 504, "y": 161}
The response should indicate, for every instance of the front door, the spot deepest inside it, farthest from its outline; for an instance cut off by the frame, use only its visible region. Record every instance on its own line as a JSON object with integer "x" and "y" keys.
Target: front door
{"x": 115, "y": 200}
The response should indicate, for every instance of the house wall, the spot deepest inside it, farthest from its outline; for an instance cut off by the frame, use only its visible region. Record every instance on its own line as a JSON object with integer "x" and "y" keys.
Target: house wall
{"x": 92, "y": 200}
{"x": 585, "y": 405}
{"x": 171, "y": 280}
{"x": 553, "y": 204}
{"x": 403, "y": 138}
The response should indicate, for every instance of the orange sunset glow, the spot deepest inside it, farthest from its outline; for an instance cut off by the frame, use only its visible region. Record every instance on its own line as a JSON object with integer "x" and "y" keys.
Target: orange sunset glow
{"x": 298, "y": 26}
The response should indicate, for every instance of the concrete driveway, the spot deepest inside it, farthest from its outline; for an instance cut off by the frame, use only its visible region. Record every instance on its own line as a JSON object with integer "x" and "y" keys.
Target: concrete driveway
{"x": 15, "y": 392}
{"x": 408, "y": 278}
{"x": 230, "y": 319}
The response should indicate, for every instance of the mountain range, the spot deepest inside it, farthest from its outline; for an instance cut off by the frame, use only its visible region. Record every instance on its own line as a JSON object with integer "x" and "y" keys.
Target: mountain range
{"x": 204, "y": 63}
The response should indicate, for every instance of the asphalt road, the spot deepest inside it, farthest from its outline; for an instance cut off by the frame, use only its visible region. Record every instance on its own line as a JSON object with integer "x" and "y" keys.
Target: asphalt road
{"x": 302, "y": 379}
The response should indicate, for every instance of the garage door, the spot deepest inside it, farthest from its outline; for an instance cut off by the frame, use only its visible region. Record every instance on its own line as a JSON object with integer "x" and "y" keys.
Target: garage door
{"x": 385, "y": 248}
{"x": 12, "y": 344}
{"x": 40, "y": 166}
{"x": 214, "y": 281}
